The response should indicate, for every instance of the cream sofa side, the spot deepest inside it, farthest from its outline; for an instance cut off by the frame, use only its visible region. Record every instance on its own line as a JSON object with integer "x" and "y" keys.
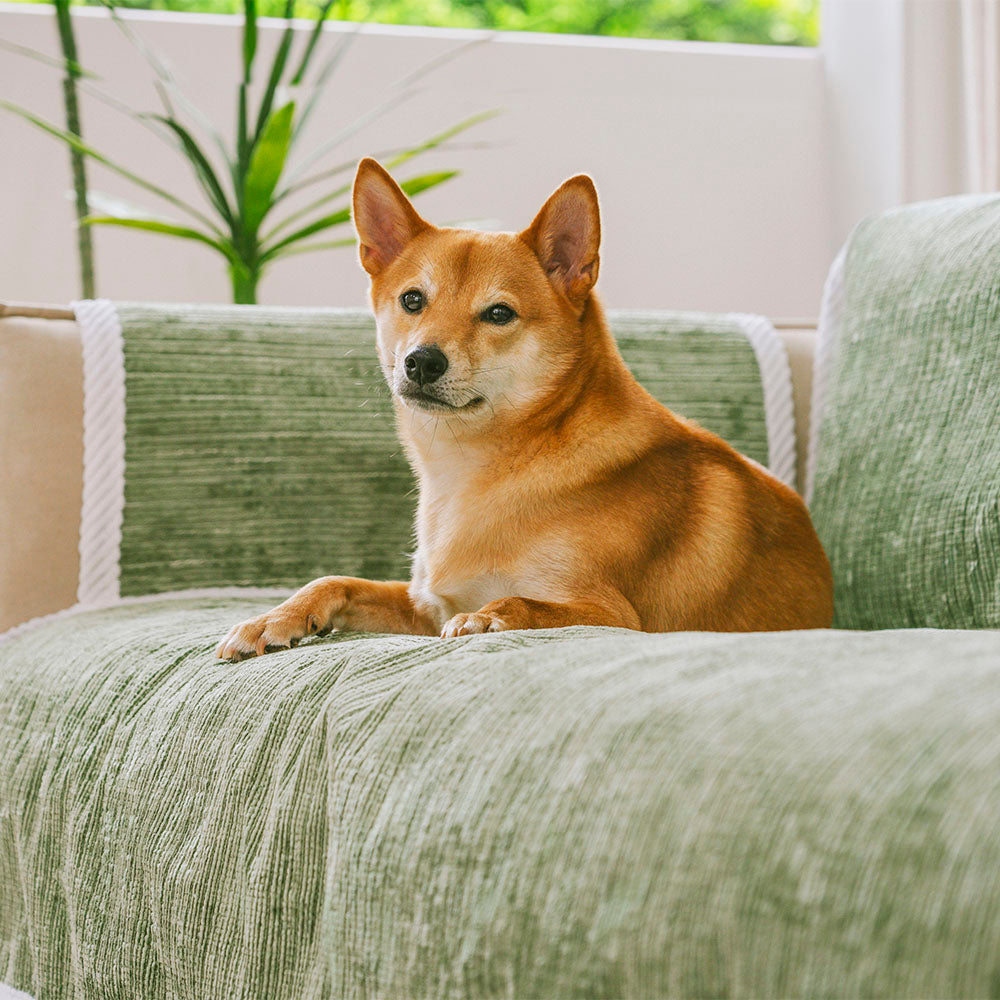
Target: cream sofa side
{"x": 41, "y": 451}
{"x": 41, "y": 454}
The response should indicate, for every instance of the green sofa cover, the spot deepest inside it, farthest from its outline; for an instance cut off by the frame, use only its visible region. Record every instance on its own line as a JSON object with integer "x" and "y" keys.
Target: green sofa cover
{"x": 566, "y": 813}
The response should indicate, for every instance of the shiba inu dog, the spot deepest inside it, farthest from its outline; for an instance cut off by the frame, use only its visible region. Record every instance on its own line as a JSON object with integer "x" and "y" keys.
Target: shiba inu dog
{"x": 554, "y": 490}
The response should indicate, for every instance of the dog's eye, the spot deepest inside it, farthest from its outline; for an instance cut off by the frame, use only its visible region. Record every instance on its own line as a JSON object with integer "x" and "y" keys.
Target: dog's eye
{"x": 498, "y": 314}
{"x": 412, "y": 301}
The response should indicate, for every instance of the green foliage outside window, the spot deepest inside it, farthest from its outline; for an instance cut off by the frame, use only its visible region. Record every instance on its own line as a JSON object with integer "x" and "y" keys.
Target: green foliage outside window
{"x": 766, "y": 22}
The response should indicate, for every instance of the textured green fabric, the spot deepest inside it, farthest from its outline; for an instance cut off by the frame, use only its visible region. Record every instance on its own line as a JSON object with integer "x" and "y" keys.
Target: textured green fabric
{"x": 260, "y": 444}
{"x": 907, "y": 487}
{"x": 565, "y": 813}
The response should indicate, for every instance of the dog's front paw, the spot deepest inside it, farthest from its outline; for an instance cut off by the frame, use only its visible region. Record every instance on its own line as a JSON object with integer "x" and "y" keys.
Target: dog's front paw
{"x": 470, "y": 624}
{"x": 280, "y": 628}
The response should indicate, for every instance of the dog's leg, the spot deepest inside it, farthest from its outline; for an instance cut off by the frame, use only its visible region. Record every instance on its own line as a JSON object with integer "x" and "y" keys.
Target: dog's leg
{"x": 523, "y": 612}
{"x": 325, "y": 604}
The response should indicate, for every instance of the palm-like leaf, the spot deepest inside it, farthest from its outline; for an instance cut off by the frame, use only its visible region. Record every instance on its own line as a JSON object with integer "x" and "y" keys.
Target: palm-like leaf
{"x": 266, "y": 164}
{"x": 73, "y": 142}
{"x": 413, "y": 186}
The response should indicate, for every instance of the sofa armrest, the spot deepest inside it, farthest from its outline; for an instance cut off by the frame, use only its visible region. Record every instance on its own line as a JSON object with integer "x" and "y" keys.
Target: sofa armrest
{"x": 41, "y": 454}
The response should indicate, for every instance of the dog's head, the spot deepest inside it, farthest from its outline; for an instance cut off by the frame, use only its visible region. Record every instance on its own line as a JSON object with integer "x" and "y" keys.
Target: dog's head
{"x": 476, "y": 326}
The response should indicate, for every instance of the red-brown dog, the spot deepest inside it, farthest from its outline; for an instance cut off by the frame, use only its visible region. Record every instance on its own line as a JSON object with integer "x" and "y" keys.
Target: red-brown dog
{"x": 554, "y": 490}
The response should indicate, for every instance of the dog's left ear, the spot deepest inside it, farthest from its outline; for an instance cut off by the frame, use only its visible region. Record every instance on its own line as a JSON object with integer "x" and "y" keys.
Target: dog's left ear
{"x": 566, "y": 238}
{"x": 383, "y": 216}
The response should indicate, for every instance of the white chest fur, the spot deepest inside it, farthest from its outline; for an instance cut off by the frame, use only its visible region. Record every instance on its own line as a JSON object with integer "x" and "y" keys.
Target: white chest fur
{"x": 445, "y": 597}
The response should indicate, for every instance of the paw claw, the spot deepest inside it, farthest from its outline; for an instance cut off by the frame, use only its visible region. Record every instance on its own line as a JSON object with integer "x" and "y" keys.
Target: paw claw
{"x": 473, "y": 624}
{"x": 278, "y": 629}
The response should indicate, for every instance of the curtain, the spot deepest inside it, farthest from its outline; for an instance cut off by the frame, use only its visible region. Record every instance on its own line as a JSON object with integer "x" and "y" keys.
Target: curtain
{"x": 981, "y": 93}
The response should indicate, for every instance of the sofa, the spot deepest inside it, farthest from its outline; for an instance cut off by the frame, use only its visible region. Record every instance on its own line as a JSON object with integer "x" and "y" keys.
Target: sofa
{"x": 581, "y": 812}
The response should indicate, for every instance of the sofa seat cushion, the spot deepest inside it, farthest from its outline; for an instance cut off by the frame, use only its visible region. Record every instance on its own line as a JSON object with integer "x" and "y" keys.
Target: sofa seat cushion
{"x": 582, "y": 812}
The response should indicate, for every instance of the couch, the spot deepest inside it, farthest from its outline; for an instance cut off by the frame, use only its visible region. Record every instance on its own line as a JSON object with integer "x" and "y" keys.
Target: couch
{"x": 581, "y": 812}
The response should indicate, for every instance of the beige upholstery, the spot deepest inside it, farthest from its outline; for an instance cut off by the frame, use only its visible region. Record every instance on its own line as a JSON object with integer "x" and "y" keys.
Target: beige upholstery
{"x": 41, "y": 451}
{"x": 41, "y": 454}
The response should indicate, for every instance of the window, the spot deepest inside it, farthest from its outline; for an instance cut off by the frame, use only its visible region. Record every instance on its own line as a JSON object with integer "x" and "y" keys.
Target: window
{"x": 763, "y": 22}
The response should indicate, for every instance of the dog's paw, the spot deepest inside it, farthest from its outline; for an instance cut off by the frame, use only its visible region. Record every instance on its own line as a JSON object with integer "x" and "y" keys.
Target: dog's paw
{"x": 470, "y": 624}
{"x": 280, "y": 628}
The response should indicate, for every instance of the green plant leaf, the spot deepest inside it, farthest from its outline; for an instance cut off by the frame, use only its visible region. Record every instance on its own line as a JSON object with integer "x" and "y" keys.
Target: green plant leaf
{"x": 239, "y": 166}
{"x": 427, "y": 181}
{"x": 277, "y": 68}
{"x": 323, "y": 78}
{"x": 266, "y": 164}
{"x": 202, "y": 168}
{"x": 449, "y": 133}
{"x": 166, "y": 85}
{"x": 157, "y": 226}
{"x": 337, "y": 218}
{"x": 249, "y": 37}
{"x": 398, "y": 156}
{"x": 291, "y": 251}
{"x": 74, "y": 143}
{"x": 307, "y": 54}
{"x": 391, "y": 102}
{"x": 356, "y": 126}
{"x": 28, "y": 53}
{"x": 413, "y": 186}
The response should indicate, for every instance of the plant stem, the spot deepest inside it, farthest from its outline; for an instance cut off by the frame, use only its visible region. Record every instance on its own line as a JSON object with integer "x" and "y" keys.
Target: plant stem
{"x": 85, "y": 244}
{"x": 244, "y": 285}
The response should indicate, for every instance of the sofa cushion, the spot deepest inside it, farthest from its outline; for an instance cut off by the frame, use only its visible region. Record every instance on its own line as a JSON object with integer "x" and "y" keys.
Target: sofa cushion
{"x": 905, "y": 491}
{"x": 565, "y": 813}
{"x": 236, "y": 446}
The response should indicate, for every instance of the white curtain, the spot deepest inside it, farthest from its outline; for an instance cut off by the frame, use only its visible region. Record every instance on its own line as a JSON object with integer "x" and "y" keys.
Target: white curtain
{"x": 913, "y": 97}
{"x": 981, "y": 93}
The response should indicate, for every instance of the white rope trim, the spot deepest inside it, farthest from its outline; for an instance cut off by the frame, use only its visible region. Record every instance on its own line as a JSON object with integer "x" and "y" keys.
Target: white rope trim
{"x": 830, "y": 312}
{"x": 9, "y": 993}
{"x": 271, "y": 593}
{"x": 776, "y": 378}
{"x": 103, "y": 451}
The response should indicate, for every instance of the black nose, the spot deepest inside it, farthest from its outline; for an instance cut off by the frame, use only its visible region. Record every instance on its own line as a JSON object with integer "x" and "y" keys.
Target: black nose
{"x": 425, "y": 364}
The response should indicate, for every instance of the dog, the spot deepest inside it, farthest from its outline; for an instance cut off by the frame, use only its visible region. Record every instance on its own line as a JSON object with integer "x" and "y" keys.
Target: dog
{"x": 554, "y": 490}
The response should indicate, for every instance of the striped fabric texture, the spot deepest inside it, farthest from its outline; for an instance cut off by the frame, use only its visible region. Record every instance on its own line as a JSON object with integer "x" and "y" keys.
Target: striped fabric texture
{"x": 260, "y": 447}
{"x": 906, "y": 482}
{"x": 559, "y": 814}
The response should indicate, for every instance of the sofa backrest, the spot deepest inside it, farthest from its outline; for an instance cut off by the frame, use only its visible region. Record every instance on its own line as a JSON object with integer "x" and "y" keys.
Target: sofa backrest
{"x": 905, "y": 485}
{"x": 41, "y": 417}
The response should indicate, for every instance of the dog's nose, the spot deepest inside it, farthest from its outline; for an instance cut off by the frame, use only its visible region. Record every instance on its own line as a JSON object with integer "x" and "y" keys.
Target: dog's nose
{"x": 425, "y": 364}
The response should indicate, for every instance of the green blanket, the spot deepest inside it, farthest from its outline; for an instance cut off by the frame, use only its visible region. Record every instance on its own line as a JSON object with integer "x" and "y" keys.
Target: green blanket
{"x": 574, "y": 813}
{"x": 234, "y": 446}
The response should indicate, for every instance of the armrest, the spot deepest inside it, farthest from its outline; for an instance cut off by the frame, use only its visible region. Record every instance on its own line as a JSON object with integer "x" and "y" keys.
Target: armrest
{"x": 41, "y": 455}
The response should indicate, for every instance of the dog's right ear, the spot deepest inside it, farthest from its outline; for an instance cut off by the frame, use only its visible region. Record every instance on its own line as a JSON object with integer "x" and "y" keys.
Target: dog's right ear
{"x": 566, "y": 238}
{"x": 383, "y": 217}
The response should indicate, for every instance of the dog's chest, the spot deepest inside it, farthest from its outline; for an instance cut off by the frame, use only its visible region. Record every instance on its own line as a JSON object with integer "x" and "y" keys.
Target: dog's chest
{"x": 445, "y": 597}
{"x": 462, "y": 563}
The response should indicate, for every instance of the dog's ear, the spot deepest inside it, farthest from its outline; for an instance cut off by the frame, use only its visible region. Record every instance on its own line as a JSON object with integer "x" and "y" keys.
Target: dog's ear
{"x": 566, "y": 238}
{"x": 383, "y": 216}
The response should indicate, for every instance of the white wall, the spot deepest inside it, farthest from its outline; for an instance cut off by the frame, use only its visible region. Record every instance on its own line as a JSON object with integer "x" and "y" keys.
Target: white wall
{"x": 712, "y": 161}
